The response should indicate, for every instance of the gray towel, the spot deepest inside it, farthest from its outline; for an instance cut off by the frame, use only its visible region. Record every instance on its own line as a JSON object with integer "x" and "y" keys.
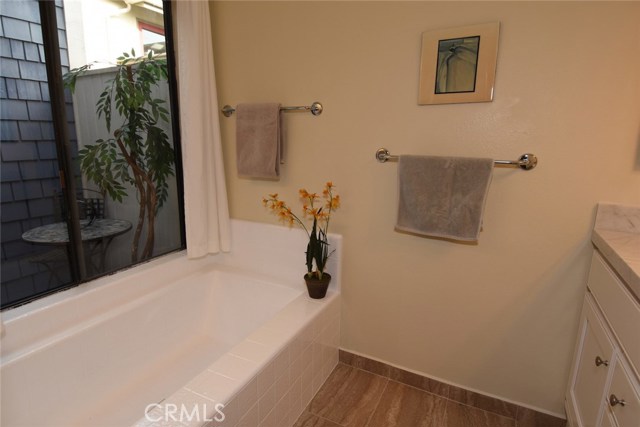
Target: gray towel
{"x": 258, "y": 145}
{"x": 442, "y": 196}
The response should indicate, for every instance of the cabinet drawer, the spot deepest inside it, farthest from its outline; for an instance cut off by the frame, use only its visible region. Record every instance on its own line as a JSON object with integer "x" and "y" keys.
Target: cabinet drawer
{"x": 618, "y": 305}
{"x": 624, "y": 388}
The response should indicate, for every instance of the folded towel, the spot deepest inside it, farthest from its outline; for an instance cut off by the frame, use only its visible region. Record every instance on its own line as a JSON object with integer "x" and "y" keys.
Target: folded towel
{"x": 442, "y": 196}
{"x": 258, "y": 145}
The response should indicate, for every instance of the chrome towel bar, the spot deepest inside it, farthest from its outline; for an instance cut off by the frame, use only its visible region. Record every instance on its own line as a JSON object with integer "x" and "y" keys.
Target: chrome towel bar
{"x": 315, "y": 109}
{"x": 527, "y": 161}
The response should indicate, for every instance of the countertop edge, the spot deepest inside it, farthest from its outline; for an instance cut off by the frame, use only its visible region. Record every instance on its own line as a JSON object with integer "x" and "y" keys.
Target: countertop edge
{"x": 605, "y": 242}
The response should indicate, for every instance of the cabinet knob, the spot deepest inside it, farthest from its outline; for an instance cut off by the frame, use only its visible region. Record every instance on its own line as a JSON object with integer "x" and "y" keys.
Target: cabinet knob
{"x": 599, "y": 361}
{"x": 613, "y": 401}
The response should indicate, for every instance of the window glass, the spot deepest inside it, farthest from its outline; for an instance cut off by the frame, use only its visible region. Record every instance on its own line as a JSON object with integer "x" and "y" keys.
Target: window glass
{"x": 31, "y": 190}
{"x": 152, "y": 40}
{"x": 121, "y": 141}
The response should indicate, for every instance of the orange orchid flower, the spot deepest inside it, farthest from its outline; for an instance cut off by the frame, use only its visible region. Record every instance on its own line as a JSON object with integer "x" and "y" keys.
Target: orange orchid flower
{"x": 320, "y": 216}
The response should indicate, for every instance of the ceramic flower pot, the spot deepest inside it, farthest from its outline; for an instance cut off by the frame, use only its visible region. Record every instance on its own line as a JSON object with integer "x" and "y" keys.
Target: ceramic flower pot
{"x": 317, "y": 288}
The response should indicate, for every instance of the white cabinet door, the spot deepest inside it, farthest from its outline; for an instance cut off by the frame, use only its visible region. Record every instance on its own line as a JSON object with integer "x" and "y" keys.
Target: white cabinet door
{"x": 594, "y": 355}
{"x": 607, "y": 421}
{"x": 623, "y": 398}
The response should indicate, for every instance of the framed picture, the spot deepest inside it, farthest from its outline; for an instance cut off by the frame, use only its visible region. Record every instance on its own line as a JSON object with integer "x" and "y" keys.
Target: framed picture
{"x": 458, "y": 64}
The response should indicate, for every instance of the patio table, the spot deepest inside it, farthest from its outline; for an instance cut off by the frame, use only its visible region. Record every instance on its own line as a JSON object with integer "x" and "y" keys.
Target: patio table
{"x": 98, "y": 233}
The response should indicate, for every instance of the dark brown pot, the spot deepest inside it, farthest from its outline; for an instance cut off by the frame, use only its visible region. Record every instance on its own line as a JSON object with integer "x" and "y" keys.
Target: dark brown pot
{"x": 317, "y": 288}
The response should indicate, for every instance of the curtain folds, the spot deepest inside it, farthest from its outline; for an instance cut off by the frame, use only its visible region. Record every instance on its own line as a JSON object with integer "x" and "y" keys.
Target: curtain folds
{"x": 206, "y": 206}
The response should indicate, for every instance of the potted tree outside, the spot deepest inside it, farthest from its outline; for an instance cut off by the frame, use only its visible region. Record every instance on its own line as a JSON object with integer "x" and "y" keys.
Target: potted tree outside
{"x": 138, "y": 151}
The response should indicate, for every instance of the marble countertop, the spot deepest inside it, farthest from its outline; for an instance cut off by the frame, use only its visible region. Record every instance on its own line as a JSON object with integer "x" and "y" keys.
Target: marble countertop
{"x": 616, "y": 235}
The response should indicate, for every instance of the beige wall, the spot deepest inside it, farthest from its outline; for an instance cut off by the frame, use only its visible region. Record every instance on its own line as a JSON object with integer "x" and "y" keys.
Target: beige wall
{"x": 499, "y": 317}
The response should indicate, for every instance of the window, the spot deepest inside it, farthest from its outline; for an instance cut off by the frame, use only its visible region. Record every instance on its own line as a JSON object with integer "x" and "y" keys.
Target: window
{"x": 88, "y": 187}
{"x": 152, "y": 38}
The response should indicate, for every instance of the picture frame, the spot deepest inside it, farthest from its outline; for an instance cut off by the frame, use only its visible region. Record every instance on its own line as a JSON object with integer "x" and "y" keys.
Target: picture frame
{"x": 458, "y": 65}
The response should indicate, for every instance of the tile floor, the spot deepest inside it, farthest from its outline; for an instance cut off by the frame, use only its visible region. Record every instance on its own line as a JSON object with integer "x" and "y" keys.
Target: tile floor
{"x": 353, "y": 397}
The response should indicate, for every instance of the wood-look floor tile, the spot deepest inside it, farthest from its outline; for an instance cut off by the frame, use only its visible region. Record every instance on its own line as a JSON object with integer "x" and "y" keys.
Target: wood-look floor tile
{"x": 459, "y": 415}
{"x": 530, "y": 418}
{"x": 404, "y": 406}
{"x": 481, "y": 401}
{"x": 309, "y": 420}
{"x": 418, "y": 381}
{"x": 348, "y": 397}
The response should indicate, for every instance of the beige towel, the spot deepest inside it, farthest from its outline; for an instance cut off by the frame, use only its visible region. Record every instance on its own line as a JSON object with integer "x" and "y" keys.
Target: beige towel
{"x": 258, "y": 145}
{"x": 442, "y": 196}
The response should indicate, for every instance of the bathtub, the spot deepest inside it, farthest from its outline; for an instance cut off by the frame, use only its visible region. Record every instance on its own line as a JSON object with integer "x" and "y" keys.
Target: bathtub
{"x": 221, "y": 341}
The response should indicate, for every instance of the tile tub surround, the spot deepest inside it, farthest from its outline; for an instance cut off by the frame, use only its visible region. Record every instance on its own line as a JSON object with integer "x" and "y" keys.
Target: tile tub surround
{"x": 617, "y": 235}
{"x": 268, "y": 379}
{"x": 389, "y": 396}
{"x": 63, "y": 322}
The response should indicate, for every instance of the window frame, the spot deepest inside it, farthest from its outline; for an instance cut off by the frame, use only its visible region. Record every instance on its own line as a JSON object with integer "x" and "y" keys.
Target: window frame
{"x": 142, "y": 25}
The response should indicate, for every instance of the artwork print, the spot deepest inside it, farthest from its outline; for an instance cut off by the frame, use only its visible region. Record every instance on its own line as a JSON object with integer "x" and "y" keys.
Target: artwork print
{"x": 458, "y": 65}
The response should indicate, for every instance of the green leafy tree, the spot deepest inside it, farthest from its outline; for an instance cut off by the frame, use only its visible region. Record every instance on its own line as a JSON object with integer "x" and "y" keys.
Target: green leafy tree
{"x": 138, "y": 151}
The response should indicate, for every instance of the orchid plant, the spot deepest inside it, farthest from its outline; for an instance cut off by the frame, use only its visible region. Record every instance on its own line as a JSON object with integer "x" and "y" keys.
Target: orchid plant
{"x": 316, "y": 209}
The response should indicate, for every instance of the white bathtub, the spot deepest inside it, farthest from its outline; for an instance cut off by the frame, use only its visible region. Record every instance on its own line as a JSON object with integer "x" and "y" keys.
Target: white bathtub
{"x": 164, "y": 343}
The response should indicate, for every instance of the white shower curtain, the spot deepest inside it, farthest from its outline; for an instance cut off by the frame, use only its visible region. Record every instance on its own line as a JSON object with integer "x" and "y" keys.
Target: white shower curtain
{"x": 205, "y": 196}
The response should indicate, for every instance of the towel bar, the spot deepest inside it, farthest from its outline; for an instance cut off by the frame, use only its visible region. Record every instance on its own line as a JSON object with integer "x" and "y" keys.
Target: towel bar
{"x": 315, "y": 109}
{"x": 527, "y": 161}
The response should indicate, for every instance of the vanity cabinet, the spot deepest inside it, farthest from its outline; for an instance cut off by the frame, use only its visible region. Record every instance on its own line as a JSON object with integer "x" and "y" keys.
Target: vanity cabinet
{"x": 604, "y": 386}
